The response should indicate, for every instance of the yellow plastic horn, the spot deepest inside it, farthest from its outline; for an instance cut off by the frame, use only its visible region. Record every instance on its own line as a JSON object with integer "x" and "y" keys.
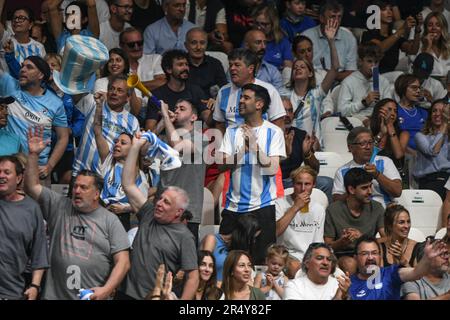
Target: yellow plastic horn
{"x": 134, "y": 82}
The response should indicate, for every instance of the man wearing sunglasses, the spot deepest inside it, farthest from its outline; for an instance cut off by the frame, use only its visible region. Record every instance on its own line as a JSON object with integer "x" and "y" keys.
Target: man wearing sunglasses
{"x": 120, "y": 11}
{"x": 387, "y": 183}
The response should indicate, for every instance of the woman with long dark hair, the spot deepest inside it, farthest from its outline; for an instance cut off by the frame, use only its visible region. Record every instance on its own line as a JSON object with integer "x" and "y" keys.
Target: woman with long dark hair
{"x": 207, "y": 287}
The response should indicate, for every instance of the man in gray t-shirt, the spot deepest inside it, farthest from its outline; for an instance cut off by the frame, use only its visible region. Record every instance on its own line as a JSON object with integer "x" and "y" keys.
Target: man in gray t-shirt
{"x": 433, "y": 286}
{"x": 347, "y": 220}
{"x": 88, "y": 244}
{"x": 161, "y": 238}
{"x": 23, "y": 235}
{"x": 181, "y": 135}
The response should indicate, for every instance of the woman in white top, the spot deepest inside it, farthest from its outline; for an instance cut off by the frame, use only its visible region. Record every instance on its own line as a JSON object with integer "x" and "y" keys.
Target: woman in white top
{"x": 435, "y": 41}
{"x": 306, "y": 97}
{"x": 118, "y": 63}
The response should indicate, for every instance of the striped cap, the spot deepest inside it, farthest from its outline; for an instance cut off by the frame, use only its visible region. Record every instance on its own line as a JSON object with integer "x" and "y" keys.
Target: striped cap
{"x": 83, "y": 56}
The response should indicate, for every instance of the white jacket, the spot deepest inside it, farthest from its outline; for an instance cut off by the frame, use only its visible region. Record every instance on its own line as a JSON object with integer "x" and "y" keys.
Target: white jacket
{"x": 354, "y": 88}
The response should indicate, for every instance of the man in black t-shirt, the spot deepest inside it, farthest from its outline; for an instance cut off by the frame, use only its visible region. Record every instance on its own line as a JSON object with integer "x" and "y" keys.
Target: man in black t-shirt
{"x": 176, "y": 67}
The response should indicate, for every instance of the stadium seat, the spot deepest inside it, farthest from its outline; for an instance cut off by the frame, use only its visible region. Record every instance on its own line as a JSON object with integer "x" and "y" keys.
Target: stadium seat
{"x": 424, "y": 207}
{"x": 392, "y": 76}
{"x": 330, "y": 162}
{"x": 208, "y": 208}
{"x": 416, "y": 235}
{"x": 205, "y": 230}
{"x": 441, "y": 233}
{"x": 222, "y": 57}
{"x": 335, "y": 134}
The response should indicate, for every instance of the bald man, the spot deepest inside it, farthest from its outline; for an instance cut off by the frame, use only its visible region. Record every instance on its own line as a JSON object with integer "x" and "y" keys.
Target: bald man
{"x": 255, "y": 41}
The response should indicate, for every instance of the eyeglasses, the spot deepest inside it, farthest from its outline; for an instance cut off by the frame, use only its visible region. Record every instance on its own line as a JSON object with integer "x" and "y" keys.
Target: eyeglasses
{"x": 127, "y": 8}
{"x": 20, "y": 18}
{"x": 369, "y": 253}
{"x": 133, "y": 44}
{"x": 364, "y": 144}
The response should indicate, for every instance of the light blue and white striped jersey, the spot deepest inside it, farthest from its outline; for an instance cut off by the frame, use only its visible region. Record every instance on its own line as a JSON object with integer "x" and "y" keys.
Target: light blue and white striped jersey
{"x": 226, "y": 108}
{"x": 384, "y": 165}
{"x": 250, "y": 187}
{"x": 46, "y": 110}
{"x": 112, "y": 188}
{"x": 24, "y": 50}
{"x": 114, "y": 123}
{"x": 308, "y": 118}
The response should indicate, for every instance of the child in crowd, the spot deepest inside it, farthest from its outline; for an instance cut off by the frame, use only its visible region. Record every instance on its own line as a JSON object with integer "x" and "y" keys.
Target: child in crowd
{"x": 295, "y": 21}
{"x": 273, "y": 280}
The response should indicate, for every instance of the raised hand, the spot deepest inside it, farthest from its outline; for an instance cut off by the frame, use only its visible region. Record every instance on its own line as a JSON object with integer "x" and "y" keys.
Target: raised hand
{"x": 8, "y": 46}
{"x": 99, "y": 98}
{"x": 289, "y": 138}
{"x": 331, "y": 28}
{"x": 36, "y": 142}
{"x": 308, "y": 144}
{"x": 344, "y": 284}
{"x": 435, "y": 249}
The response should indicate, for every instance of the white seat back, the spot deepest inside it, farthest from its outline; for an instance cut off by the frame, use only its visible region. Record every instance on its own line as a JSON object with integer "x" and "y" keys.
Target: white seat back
{"x": 203, "y": 231}
{"x": 424, "y": 207}
{"x": 335, "y": 134}
{"x": 416, "y": 235}
{"x": 222, "y": 57}
{"x": 330, "y": 162}
{"x": 441, "y": 233}
{"x": 208, "y": 208}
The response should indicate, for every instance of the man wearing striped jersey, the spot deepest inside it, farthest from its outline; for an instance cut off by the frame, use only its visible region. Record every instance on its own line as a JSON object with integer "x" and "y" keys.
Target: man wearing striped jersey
{"x": 36, "y": 106}
{"x": 252, "y": 151}
{"x": 116, "y": 120}
{"x": 242, "y": 71}
{"x": 386, "y": 183}
{"x": 24, "y": 46}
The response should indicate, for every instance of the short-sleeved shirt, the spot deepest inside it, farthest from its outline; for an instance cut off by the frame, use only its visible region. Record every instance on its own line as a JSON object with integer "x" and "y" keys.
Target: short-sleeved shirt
{"x": 338, "y": 217}
{"x": 226, "y": 108}
{"x": 82, "y": 246}
{"x": 10, "y": 142}
{"x": 149, "y": 67}
{"x": 114, "y": 123}
{"x": 250, "y": 187}
{"x": 302, "y": 288}
{"x": 303, "y": 230}
{"x": 191, "y": 92}
{"x": 23, "y": 240}
{"x": 159, "y": 36}
{"x": 46, "y": 110}
{"x": 425, "y": 288}
{"x": 385, "y": 287}
{"x": 308, "y": 117}
{"x": 24, "y": 50}
{"x": 112, "y": 187}
{"x": 172, "y": 244}
{"x": 277, "y": 53}
{"x": 109, "y": 36}
{"x": 383, "y": 164}
{"x": 412, "y": 121}
{"x": 346, "y": 47}
{"x": 208, "y": 74}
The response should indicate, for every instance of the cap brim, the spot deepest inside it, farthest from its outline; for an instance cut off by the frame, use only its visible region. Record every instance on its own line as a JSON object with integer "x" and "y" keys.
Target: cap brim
{"x": 7, "y": 100}
{"x": 80, "y": 88}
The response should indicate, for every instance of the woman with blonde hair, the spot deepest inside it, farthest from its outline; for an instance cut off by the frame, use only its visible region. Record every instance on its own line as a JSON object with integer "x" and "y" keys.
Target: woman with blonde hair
{"x": 436, "y": 41}
{"x": 306, "y": 98}
{"x": 433, "y": 162}
{"x": 278, "y": 48}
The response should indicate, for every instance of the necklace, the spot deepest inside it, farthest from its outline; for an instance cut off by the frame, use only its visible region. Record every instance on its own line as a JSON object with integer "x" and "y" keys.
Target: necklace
{"x": 406, "y": 111}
